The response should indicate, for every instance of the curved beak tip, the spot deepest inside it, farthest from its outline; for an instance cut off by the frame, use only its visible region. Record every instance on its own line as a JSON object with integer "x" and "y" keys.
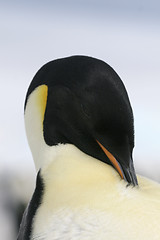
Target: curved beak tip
{"x": 126, "y": 173}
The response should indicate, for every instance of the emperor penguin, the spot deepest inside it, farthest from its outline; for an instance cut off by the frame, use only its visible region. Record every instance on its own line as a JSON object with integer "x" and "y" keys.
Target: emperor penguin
{"x": 80, "y": 129}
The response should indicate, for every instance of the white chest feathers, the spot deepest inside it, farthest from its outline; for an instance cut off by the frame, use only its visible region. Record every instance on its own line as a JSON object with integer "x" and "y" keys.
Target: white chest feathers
{"x": 92, "y": 224}
{"x": 85, "y": 199}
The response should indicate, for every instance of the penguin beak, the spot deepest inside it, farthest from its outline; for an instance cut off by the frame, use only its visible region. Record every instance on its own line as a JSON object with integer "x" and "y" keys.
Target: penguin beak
{"x": 126, "y": 173}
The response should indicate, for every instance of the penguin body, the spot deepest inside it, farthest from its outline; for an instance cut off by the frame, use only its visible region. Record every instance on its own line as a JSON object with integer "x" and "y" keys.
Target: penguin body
{"x": 93, "y": 203}
{"x": 82, "y": 141}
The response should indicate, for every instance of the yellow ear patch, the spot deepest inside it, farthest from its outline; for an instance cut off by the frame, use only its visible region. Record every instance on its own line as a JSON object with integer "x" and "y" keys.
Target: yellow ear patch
{"x": 41, "y": 100}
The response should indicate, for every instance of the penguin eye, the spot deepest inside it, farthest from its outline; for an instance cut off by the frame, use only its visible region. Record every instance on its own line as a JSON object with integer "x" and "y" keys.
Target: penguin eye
{"x": 85, "y": 111}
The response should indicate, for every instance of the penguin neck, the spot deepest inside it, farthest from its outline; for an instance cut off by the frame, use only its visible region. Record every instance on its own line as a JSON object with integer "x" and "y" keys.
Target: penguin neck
{"x": 67, "y": 165}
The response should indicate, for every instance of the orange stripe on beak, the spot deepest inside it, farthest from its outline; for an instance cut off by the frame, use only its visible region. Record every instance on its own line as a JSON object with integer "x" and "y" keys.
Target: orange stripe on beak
{"x": 112, "y": 159}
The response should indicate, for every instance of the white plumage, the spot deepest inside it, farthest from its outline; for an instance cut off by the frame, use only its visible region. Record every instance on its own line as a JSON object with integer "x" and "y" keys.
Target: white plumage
{"x": 85, "y": 199}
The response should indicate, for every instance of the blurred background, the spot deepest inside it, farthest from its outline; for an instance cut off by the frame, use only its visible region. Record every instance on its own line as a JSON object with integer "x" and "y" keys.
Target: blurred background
{"x": 125, "y": 34}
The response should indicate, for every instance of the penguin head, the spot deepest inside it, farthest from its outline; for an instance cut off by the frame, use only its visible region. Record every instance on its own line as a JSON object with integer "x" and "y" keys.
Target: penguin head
{"x": 81, "y": 101}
